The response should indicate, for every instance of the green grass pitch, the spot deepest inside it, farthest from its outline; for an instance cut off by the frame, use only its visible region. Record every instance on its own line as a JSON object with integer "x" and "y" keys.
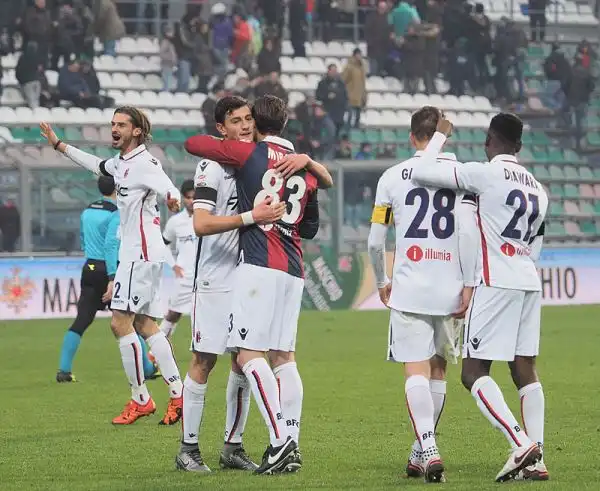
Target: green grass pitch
{"x": 355, "y": 430}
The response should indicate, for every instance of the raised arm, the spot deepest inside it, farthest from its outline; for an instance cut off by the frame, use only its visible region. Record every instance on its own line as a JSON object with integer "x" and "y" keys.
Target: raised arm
{"x": 207, "y": 187}
{"x": 292, "y": 163}
{"x": 83, "y": 159}
{"x": 229, "y": 152}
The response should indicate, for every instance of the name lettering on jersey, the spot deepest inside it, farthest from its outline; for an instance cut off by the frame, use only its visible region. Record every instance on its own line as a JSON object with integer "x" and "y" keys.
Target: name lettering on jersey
{"x": 416, "y": 254}
{"x": 407, "y": 174}
{"x": 510, "y": 250}
{"x": 521, "y": 177}
{"x": 275, "y": 155}
{"x": 285, "y": 231}
{"x": 186, "y": 238}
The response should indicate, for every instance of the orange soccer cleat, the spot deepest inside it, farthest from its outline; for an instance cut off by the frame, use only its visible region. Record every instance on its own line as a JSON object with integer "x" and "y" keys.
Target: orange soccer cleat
{"x": 134, "y": 411}
{"x": 174, "y": 412}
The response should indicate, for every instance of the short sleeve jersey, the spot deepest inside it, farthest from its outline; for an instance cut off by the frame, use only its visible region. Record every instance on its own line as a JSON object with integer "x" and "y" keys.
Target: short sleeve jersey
{"x": 140, "y": 180}
{"x": 427, "y": 276}
{"x": 179, "y": 232}
{"x": 217, "y": 255}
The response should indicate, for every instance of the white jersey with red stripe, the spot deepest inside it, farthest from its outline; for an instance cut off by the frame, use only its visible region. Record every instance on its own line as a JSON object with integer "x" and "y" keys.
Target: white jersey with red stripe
{"x": 179, "y": 232}
{"x": 511, "y": 207}
{"x": 139, "y": 180}
{"x": 215, "y": 191}
{"x": 427, "y": 276}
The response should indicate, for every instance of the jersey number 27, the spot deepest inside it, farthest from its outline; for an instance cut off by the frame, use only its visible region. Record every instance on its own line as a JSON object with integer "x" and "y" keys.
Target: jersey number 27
{"x": 272, "y": 185}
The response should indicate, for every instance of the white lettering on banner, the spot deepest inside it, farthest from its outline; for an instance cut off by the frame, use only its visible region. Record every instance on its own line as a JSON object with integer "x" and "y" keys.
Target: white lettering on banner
{"x": 314, "y": 290}
{"x": 327, "y": 279}
{"x": 558, "y": 283}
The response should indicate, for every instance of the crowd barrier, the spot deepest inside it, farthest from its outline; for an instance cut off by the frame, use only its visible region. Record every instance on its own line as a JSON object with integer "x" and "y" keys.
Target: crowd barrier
{"x": 48, "y": 287}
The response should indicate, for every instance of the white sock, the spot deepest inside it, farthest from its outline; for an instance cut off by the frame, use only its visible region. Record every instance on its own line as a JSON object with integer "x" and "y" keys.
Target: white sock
{"x": 532, "y": 411}
{"x": 420, "y": 410}
{"x": 291, "y": 393}
{"x": 491, "y": 403}
{"x": 168, "y": 327}
{"x": 163, "y": 352}
{"x": 238, "y": 405}
{"x": 438, "y": 395}
{"x": 193, "y": 407}
{"x": 131, "y": 355}
{"x": 264, "y": 388}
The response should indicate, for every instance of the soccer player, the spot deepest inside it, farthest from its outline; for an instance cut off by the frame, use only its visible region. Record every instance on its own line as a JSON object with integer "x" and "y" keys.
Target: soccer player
{"x": 433, "y": 278}
{"x": 269, "y": 280}
{"x": 179, "y": 231}
{"x": 503, "y": 322}
{"x": 135, "y": 290}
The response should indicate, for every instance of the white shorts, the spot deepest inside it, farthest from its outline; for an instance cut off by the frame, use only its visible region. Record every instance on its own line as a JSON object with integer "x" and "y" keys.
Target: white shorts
{"x": 137, "y": 288}
{"x": 211, "y": 321}
{"x": 418, "y": 337}
{"x": 266, "y": 307}
{"x": 181, "y": 297}
{"x": 502, "y": 324}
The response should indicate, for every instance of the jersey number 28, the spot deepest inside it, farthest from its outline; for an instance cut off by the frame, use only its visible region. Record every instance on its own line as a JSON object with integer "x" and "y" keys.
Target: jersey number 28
{"x": 272, "y": 185}
{"x": 442, "y": 220}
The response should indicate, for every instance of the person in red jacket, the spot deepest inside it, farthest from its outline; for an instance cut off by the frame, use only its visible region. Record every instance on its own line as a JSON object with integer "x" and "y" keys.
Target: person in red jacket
{"x": 242, "y": 35}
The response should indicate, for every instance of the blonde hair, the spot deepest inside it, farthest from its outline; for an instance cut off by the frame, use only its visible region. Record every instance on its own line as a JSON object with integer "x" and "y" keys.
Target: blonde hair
{"x": 138, "y": 120}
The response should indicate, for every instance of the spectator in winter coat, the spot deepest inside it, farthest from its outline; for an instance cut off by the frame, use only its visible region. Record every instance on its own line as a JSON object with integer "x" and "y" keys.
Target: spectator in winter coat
{"x": 537, "y": 19}
{"x": 355, "y": 78}
{"x": 242, "y": 38}
{"x": 203, "y": 64}
{"x": 27, "y": 73}
{"x": 10, "y": 225}
{"x": 69, "y": 35}
{"x": 184, "y": 47}
{"x": 298, "y": 27}
{"x": 222, "y": 37}
{"x": 271, "y": 85}
{"x": 73, "y": 87}
{"x": 268, "y": 59}
{"x": 578, "y": 90}
{"x": 322, "y": 135}
{"x": 377, "y": 34}
{"x": 331, "y": 91}
{"x": 108, "y": 26}
{"x": 558, "y": 72}
{"x": 168, "y": 57}
{"x": 37, "y": 27}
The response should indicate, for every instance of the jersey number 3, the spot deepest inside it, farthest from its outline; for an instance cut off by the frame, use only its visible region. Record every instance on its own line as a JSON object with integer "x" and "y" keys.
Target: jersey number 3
{"x": 442, "y": 220}
{"x": 272, "y": 185}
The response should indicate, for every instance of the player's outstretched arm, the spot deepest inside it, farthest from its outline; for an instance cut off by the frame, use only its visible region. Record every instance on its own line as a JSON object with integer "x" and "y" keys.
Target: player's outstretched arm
{"x": 205, "y": 223}
{"x": 292, "y": 163}
{"x": 83, "y": 159}
{"x": 229, "y": 152}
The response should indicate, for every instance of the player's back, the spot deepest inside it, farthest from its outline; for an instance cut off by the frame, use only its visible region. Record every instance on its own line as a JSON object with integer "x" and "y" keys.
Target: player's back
{"x": 511, "y": 208}
{"x": 427, "y": 277}
{"x": 217, "y": 255}
{"x": 94, "y": 225}
{"x": 275, "y": 246}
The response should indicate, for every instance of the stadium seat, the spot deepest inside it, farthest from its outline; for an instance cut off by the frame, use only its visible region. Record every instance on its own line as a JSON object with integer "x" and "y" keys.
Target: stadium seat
{"x": 572, "y": 228}
{"x": 586, "y": 208}
{"x": 587, "y": 191}
{"x": 557, "y": 191}
{"x": 586, "y": 174}
{"x": 555, "y": 229}
{"x": 571, "y": 191}
{"x": 571, "y": 173}
{"x": 588, "y": 227}
{"x": 556, "y": 208}
{"x": 541, "y": 173}
{"x": 571, "y": 208}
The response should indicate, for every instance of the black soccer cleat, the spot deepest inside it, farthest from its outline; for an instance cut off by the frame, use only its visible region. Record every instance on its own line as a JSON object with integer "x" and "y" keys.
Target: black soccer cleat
{"x": 276, "y": 460}
{"x": 62, "y": 377}
{"x": 294, "y": 463}
{"x": 434, "y": 471}
{"x": 233, "y": 456}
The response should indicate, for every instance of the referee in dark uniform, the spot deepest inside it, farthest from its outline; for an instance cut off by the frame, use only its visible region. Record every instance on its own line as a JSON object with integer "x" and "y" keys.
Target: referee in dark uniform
{"x": 100, "y": 244}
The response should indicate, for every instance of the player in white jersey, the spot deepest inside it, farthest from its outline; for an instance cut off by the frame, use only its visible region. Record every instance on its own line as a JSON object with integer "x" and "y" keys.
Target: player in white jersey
{"x": 216, "y": 220}
{"x": 141, "y": 183}
{"x": 503, "y": 322}
{"x": 179, "y": 233}
{"x": 433, "y": 279}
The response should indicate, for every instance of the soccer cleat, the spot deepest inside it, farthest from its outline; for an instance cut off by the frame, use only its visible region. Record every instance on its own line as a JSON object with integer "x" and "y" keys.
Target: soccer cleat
{"x": 275, "y": 460}
{"x": 536, "y": 472}
{"x": 65, "y": 377}
{"x": 233, "y": 456}
{"x": 295, "y": 462}
{"x": 414, "y": 466}
{"x": 134, "y": 411}
{"x": 189, "y": 459}
{"x": 433, "y": 466}
{"x": 519, "y": 459}
{"x": 174, "y": 412}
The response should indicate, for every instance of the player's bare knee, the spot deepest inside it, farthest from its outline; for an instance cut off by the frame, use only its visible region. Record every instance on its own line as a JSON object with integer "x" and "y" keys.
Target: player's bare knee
{"x": 121, "y": 323}
{"x": 473, "y": 369}
{"x": 145, "y": 325}
{"x": 278, "y": 358}
{"x": 417, "y": 368}
{"x": 438, "y": 368}
{"x": 203, "y": 364}
{"x": 235, "y": 366}
{"x": 522, "y": 371}
{"x": 173, "y": 316}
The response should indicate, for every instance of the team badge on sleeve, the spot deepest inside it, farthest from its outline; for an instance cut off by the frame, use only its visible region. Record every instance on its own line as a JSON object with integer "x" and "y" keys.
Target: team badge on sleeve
{"x": 382, "y": 214}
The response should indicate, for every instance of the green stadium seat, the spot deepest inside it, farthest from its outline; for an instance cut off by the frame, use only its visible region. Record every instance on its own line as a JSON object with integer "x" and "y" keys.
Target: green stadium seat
{"x": 478, "y": 136}
{"x": 525, "y": 155}
{"x": 540, "y": 138}
{"x": 597, "y": 207}
{"x": 177, "y": 135}
{"x": 571, "y": 191}
{"x": 160, "y": 135}
{"x": 357, "y": 135}
{"x": 465, "y": 154}
{"x": 73, "y": 134}
{"x": 541, "y": 173}
{"x": 104, "y": 152}
{"x": 540, "y": 154}
{"x": 571, "y": 173}
{"x": 593, "y": 139}
{"x": 596, "y": 171}
{"x": 572, "y": 157}
{"x": 555, "y": 155}
{"x": 535, "y": 51}
{"x": 464, "y": 136}
{"x": 403, "y": 135}
{"x": 389, "y": 136}
{"x": 586, "y": 174}
{"x": 479, "y": 154}
{"x": 373, "y": 136}
{"x": 556, "y": 173}
{"x": 586, "y": 208}
{"x": 588, "y": 227}
{"x": 593, "y": 121}
{"x": 403, "y": 153}
{"x": 595, "y": 103}
{"x": 556, "y": 208}
{"x": 555, "y": 229}
{"x": 557, "y": 191}
{"x": 173, "y": 153}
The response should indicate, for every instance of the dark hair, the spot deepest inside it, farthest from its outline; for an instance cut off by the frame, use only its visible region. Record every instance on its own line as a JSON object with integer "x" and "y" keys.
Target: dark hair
{"x": 226, "y": 105}
{"x": 270, "y": 115}
{"x": 424, "y": 122}
{"x": 479, "y": 8}
{"x": 139, "y": 120}
{"x": 106, "y": 185}
{"x": 507, "y": 127}
{"x": 187, "y": 186}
